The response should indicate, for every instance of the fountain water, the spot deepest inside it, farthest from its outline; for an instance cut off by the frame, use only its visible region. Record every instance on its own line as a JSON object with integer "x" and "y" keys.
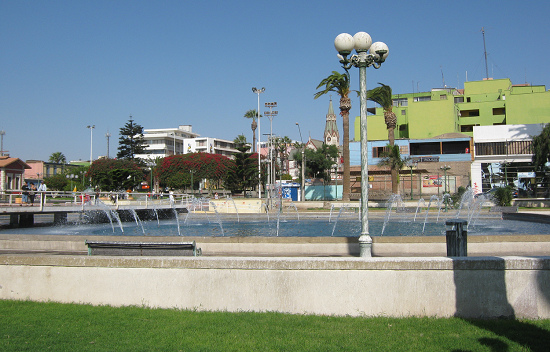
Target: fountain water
{"x": 395, "y": 198}
{"x": 420, "y": 201}
{"x": 290, "y": 222}
{"x": 235, "y": 206}
{"x": 432, "y": 198}
{"x": 218, "y": 219}
{"x": 445, "y": 199}
{"x": 138, "y": 221}
{"x": 110, "y": 214}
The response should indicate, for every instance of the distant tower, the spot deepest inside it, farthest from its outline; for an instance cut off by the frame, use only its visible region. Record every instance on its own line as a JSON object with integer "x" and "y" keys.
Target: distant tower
{"x": 332, "y": 137}
{"x": 107, "y": 135}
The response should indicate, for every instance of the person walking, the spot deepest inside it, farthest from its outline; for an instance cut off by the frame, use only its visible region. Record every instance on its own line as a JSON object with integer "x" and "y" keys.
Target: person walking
{"x": 32, "y": 193}
{"x": 42, "y": 189}
{"x": 24, "y": 193}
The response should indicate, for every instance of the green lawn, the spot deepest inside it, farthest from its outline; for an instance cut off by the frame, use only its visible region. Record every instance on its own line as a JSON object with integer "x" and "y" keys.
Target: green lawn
{"x": 31, "y": 326}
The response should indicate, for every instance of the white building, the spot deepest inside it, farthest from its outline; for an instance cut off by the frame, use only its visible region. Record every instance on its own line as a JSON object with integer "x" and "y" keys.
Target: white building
{"x": 503, "y": 154}
{"x": 163, "y": 142}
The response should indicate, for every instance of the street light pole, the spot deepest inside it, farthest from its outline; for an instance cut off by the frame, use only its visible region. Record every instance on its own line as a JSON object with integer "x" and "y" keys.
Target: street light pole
{"x": 271, "y": 114}
{"x": 259, "y": 91}
{"x": 411, "y": 164}
{"x": 368, "y": 54}
{"x": 108, "y": 136}
{"x": 91, "y": 127}
{"x": 303, "y": 186}
{"x": 445, "y": 168}
{"x": 2, "y": 133}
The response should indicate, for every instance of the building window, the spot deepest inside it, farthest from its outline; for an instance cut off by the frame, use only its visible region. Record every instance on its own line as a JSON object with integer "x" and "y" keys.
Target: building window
{"x": 403, "y": 112}
{"x": 459, "y": 100}
{"x": 422, "y": 99}
{"x": 504, "y": 148}
{"x": 499, "y": 111}
{"x": 400, "y": 102}
{"x": 443, "y": 97}
{"x": 425, "y": 148}
{"x": 467, "y": 128}
{"x": 469, "y": 113}
{"x": 377, "y": 152}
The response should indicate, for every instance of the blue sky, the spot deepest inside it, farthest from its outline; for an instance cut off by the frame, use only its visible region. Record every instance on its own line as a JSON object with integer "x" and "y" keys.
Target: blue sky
{"x": 68, "y": 64}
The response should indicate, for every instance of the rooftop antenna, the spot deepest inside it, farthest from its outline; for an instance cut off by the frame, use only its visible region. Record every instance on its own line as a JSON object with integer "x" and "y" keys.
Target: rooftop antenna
{"x": 485, "y": 52}
{"x": 442, "y": 77}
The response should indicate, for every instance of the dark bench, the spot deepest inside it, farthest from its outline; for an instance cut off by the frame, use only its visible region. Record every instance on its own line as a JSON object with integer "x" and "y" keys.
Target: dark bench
{"x": 143, "y": 248}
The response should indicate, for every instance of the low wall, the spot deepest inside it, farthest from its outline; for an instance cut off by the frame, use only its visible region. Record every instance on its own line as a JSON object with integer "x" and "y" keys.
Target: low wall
{"x": 383, "y": 246}
{"x": 241, "y": 205}
{"x": 467, "y": 287}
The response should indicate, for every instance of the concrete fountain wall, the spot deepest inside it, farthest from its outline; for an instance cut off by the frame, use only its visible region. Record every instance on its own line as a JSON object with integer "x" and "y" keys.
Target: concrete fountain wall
{"x": 437, "y": 286}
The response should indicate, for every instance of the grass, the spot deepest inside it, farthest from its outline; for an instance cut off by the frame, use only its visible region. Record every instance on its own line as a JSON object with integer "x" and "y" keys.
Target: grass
{"x": 33, "y": 326}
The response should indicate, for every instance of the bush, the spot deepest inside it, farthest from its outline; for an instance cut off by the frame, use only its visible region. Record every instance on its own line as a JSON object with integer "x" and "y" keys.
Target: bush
{"x": 503, "y": 196}
{"x": 458, "y": 196}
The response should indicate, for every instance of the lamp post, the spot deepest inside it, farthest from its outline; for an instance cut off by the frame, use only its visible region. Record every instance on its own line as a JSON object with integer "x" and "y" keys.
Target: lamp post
{"x": 271, "y": 114}
{"x": 368, "y": 54}
{"x": 108, "y": 136}
{"x": 91, "y": 127}
{"x": 412, "y": 164}
{"x": 173, "y": 134}
{"x": 259, "y": 91}
{"x": 2, "y": 133}
{"x": 445, "y": 168}
{"x": 303, "y": 186}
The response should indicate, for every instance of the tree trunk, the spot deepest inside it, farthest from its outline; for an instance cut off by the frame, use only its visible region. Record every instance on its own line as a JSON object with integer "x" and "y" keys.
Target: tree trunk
{"x": 345, "y": 106}
{"x": 254, "y": 126}
{"x": 391, "y": 122}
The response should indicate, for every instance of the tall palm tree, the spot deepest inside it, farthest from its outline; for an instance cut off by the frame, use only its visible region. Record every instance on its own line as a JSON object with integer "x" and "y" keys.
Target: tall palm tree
{"x": 339, "y": 83}
{"x": 383, "y": 96}
{"x": 252, "y": 114}
{"x": 392, "y": 159}
{"x": 58, "y": 158}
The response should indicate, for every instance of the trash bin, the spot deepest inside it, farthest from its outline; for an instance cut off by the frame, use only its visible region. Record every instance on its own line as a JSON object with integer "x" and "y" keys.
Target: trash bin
{"x": 457, "y": 238}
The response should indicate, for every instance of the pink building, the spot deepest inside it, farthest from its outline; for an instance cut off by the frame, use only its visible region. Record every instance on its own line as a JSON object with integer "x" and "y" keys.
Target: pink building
{"x": 12, "y": 171}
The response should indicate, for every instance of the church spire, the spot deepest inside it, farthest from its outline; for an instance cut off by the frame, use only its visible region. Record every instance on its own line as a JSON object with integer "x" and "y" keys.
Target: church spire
{"x": 332, "y": 136}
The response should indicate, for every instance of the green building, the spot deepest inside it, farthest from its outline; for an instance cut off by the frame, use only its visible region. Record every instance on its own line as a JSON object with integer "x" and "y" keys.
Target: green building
{"x": 489, "y": 102}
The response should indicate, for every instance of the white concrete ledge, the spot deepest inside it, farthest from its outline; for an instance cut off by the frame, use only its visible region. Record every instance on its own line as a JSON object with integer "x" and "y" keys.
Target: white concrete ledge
{"x": 467, "y": 287}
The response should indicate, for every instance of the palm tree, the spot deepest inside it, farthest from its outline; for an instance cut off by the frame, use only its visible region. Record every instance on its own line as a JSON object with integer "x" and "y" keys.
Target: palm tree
{"x": 240, "y": 140}
{"x": 252, "y": 114}
{"x": 392, "y": 159}
{"x": 383, "y": 96}
{"x": 58, "y": 158}
{"x": 339, "y": 83}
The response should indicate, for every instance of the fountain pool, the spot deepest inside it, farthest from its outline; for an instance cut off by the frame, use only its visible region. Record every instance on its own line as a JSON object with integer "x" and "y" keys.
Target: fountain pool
{"x": 312, "y": 226}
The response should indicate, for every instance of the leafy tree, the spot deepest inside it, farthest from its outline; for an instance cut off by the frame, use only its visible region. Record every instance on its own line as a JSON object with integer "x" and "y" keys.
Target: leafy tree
{"x": 57, "y": 182}
{"x": 253, "y": 114}
{"x": 175, "y": 171}
{"x": 281, "y": 147}
{"x": 383, "y": 96}
{"x": 131, "y": 141}
{"x": 391, "y": 158}
{"x": 541, "y": 154}
{"x": 318, "y": 162}
{"x": 243, "y": 174}
{"x": 58, "y": 158}
{"x": 339, "y": 83}
{"x": 115, "y": 174}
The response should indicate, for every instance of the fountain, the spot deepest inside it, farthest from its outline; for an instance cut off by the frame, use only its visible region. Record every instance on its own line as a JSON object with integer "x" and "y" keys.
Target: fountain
{"x": 204, "y": 219}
